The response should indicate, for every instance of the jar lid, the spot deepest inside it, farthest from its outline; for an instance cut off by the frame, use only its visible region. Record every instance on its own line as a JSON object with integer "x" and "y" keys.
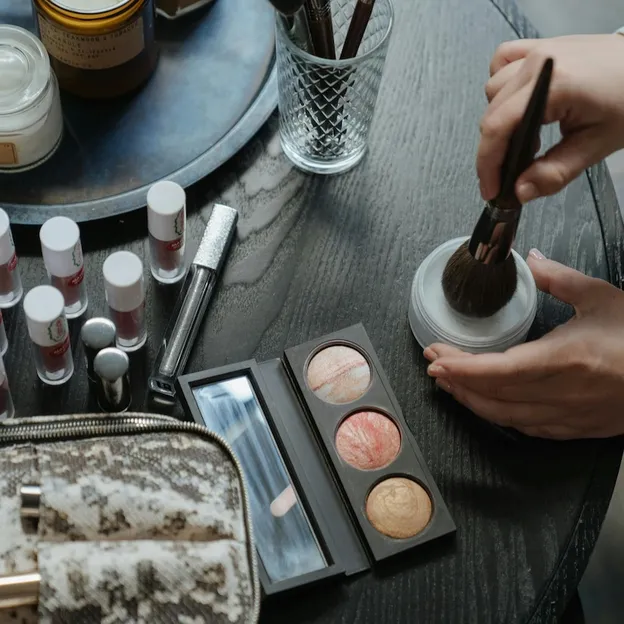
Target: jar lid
{"x": 60, "y": 246}
{"x": 123, "y": 280}
{"x": 166, "y": 203}
{"x": 89, "y": 7}
{"x": 433, "y": 320}
{"x": 24, "y": 67}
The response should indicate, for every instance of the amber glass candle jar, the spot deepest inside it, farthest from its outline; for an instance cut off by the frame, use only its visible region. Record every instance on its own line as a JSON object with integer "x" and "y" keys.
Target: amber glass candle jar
{"x": 98, "y": 48}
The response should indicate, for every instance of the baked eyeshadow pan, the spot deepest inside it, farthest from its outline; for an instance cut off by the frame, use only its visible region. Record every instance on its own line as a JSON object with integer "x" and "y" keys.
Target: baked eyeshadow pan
{"x": 339, "y": 374}
{"x": 368, "y": 440}
{"x": 399, "y": 508}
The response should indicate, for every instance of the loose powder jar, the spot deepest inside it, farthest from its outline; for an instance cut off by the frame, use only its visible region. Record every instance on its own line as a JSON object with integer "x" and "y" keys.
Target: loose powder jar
{"x": 31, "y": 121}
{"x": 99, "y": 48}
{"x": 433, "y": 320}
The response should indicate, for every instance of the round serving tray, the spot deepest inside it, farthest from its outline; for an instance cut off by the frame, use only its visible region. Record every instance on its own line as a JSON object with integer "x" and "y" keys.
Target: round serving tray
{"x": 214, "y": 87}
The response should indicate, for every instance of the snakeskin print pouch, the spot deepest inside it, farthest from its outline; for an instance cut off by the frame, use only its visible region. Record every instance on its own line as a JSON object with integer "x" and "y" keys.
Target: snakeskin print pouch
{"x": 132, "y": 519}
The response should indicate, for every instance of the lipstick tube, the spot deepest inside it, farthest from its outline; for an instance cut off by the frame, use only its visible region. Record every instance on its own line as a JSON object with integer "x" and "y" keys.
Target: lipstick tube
{"x": 193, "y": 300}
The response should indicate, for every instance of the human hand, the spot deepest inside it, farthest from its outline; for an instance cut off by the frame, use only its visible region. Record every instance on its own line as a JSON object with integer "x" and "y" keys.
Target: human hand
{"x": 586, "y": 98}
{"x": 568, "y": 384}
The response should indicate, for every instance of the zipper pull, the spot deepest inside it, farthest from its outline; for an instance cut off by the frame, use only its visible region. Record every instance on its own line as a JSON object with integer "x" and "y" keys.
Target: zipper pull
{"x": 30, "y": 498}
{"x": 19, "y": 590}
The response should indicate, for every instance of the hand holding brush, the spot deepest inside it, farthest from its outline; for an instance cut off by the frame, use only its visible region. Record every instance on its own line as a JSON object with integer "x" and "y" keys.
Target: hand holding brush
{"x": 480, "y": 277}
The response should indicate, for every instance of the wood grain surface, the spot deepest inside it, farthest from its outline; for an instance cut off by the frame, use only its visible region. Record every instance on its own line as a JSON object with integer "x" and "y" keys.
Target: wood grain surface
{"x": 314, "y": 255}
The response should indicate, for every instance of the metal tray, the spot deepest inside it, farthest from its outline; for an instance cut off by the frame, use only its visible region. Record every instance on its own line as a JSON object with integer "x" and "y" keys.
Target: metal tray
{"x": 214, "y": 87}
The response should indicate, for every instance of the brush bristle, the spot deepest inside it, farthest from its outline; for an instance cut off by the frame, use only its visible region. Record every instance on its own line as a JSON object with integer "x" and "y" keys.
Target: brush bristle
{"x": 476, "y": 289}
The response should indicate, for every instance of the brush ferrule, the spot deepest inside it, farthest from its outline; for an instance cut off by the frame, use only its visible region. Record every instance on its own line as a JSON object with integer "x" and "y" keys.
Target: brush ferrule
{"x": 318, "y": 10}
{"x": 494, "y": 234}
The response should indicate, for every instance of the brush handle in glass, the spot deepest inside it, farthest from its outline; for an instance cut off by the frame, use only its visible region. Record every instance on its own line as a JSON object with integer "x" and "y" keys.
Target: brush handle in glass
{"x": 182, "y": 330}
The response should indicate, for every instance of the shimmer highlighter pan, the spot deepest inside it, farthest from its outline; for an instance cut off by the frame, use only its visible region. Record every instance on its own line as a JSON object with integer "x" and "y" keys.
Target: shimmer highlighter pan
{"x": 336, "y": 480}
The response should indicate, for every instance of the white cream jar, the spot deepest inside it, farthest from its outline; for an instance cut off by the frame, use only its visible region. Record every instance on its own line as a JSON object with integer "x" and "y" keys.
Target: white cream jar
{"x": 433, "y": 320}
{"x": 31, "y": 121}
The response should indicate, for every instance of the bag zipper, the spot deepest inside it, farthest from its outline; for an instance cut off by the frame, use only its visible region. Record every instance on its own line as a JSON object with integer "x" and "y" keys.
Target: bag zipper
{"x": 81, "y": 427}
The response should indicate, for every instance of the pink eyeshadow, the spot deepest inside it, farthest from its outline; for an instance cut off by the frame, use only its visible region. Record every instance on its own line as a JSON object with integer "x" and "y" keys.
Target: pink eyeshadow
{"x": 368, "y": 440}
{"x": 339, "y": 374}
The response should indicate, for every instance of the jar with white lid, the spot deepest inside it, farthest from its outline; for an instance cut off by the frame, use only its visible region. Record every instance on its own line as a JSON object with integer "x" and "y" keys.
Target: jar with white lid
{"x": 31, "y": 120}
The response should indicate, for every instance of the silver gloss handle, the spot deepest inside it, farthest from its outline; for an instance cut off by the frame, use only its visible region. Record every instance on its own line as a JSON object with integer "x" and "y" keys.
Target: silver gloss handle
{"x": 182, "y": 330}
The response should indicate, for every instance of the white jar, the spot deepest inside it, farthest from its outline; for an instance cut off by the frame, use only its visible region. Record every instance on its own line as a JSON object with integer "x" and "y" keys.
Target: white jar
{"x": 31, "y": 120}
{"x": 433, "y": 320}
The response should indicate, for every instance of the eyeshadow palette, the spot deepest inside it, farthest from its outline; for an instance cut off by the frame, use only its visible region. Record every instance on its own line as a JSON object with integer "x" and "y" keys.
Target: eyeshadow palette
{"x": 336, "y": 481}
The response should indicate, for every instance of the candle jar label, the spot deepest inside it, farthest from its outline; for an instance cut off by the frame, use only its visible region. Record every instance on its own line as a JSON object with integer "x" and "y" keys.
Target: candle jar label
{"x": 8, "y": 154}
{"x": 93, "y": 52}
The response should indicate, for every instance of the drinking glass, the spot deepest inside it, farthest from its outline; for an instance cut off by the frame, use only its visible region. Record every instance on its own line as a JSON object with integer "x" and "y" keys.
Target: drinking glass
{"x": 326, "y": 106}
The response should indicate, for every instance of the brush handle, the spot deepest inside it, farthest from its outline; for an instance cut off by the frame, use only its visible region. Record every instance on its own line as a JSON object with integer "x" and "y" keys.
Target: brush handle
{"x": 321, "y": 28}
{"x": 357, "y": 28}
{"x": 495, "y": 232}
{"x": 520, "y": 150}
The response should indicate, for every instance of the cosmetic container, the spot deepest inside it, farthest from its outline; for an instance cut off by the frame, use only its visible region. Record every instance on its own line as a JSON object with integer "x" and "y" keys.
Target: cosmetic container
{"x": 4, "y": 343}
{"x": 62, "y": 255}
{"x": 111, "y": 367}
{"x": 96, "y": 334}
{"x": 10, "y": 282}
{"x": 166, "y": 220}
{"x": 7, "y": 410}
{"x": 433, "y": 320}
{"x": 31, "y": 121}
{"x": 99, "y": 48}
{"x": 47, "y": 326}
{"x": 125, "y": 295}
{"x": 193, "y": 301}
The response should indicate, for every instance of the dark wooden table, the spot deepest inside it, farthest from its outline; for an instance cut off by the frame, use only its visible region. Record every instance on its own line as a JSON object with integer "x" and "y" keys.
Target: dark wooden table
{"x": 316, "y": 254}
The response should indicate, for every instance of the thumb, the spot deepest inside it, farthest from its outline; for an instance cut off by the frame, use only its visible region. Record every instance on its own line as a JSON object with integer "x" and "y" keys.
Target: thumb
{"x": 560, "y": 281}
{"x": 562, "y": 163}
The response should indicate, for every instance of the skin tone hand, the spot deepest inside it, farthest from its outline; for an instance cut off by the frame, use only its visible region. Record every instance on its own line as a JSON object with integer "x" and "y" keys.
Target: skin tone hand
{"x": 585, "y": 98}
{"x": 568, "y": 384}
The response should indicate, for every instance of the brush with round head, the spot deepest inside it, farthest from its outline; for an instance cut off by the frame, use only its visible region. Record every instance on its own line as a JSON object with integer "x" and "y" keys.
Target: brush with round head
{"x": 480, "y": 277}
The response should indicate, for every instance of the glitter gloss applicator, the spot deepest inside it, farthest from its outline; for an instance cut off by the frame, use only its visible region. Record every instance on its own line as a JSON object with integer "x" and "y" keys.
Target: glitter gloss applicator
{"x": 193, "y": 300}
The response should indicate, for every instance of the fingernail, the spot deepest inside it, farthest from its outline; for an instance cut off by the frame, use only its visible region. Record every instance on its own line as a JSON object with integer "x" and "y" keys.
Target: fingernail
{"x": 537, "y": 254}
{"x": 526, "y": 192}
{"x": 430, "y": 354}
{"x": 445, "y": 385}
{"x": 435, "y": 369}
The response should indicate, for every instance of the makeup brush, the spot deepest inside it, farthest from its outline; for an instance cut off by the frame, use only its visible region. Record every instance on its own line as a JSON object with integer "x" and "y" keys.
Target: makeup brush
{"x": 296, "y": 21}
{"x": 480, "y": 277}
{"x": 357, "y": 27}
{"x": 321, "y": 27}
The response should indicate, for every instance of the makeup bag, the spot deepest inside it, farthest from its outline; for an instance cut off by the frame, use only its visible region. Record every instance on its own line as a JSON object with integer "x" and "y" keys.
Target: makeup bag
{"x": 131, "y": 519}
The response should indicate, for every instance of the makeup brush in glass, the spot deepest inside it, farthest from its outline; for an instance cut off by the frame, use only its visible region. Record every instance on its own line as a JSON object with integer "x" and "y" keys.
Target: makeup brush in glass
{"x": 294, "y": 16}
{"x": 480, "y": 277}
{"x": 357, "y": 28}
{"x": 321, "y": 27}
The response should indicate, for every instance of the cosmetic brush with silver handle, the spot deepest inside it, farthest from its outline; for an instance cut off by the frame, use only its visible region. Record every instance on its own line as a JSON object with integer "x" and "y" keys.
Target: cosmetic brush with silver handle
{"x": 193, "y": 300}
